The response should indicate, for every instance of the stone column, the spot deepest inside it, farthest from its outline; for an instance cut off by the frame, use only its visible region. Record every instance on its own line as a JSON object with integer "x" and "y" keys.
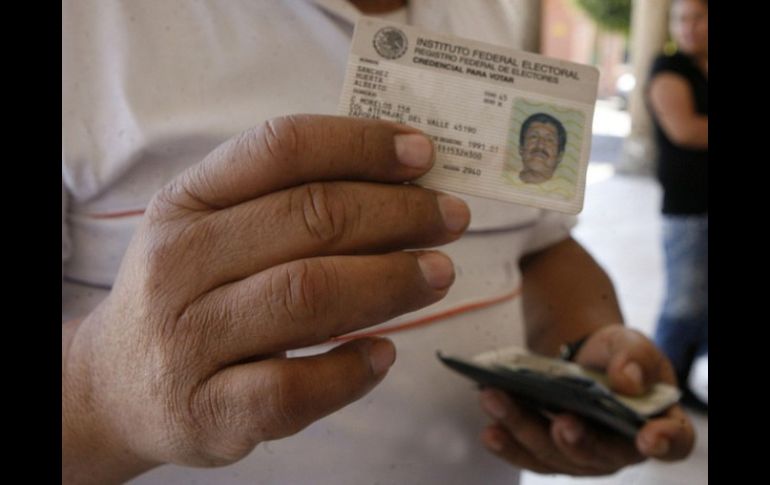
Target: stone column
{"x": 532, "y": 20}
{"x": 649, "y": 31}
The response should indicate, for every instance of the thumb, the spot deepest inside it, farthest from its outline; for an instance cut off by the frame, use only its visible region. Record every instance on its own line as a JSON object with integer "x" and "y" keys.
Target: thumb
{"x": 283, "y": 396}
{"x": 635, "y": 369}
{"x": 628, "y": 376}
{"x": 631, "y": 361}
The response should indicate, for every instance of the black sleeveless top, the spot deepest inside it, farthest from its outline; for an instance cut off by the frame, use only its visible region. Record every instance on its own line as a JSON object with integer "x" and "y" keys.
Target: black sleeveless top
{"x": 682, "y": 172}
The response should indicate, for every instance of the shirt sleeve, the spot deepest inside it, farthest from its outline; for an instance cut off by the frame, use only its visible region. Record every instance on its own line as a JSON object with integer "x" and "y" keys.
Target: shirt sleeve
{"x": 674, "y": 63}
{"x": 551, "y": 228}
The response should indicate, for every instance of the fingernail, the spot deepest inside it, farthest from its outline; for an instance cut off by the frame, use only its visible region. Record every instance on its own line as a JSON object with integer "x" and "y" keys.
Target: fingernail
{"x": 572, "y": 433}
{"x": 382, "y": 354}
{"x": 653, "y": 446}
{"x": 437, "y": 269}
{"x": 634, "y": 373}
{"x": 414, "y": 150}
{"x": 661, "y": 447}
{"x": 455, "y": 212}
{"x": 493, "y": 405}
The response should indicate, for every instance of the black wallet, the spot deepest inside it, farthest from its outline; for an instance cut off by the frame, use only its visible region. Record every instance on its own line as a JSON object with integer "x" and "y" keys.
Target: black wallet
{"x": 558, "y": 386}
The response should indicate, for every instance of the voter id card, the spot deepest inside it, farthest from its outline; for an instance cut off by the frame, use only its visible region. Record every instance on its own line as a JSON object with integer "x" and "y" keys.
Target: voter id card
{"x": 558, "y": 386}
{"x": 506, "y": 124}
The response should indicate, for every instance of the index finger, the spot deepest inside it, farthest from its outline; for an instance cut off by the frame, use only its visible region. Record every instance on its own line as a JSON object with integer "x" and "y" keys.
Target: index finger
{"x": 292, "y": 150}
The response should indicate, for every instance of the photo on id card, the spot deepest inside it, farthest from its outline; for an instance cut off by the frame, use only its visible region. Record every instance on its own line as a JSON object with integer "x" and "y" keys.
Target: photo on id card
{"x": 544, "y": 144}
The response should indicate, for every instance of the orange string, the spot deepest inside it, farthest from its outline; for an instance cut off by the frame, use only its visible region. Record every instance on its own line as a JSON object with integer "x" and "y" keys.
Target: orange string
{"x": 467, "y": 307}
{"x": 116, "y": 215}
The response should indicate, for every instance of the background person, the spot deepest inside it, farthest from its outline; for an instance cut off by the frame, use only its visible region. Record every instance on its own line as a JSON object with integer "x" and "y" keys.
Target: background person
{"x": 678, "y": 98}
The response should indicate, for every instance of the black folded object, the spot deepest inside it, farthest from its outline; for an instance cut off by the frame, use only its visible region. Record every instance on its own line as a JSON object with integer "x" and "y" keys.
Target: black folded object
{"x": 556, "y": 393}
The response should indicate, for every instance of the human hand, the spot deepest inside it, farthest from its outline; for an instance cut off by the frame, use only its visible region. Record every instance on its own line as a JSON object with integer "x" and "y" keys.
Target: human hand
{"x": 566, "y": 444}
{"x": 283, "y": 237}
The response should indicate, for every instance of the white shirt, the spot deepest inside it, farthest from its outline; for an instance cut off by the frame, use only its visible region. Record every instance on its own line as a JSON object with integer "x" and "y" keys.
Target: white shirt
{"x": 150, "y": 87}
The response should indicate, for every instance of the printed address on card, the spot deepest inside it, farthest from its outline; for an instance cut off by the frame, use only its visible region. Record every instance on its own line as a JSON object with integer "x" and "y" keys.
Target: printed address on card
{"x": 507, "y": 124}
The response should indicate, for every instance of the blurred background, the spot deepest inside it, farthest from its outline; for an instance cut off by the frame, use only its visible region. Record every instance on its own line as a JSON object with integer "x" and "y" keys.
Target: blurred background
{"x": 621, "y": 222}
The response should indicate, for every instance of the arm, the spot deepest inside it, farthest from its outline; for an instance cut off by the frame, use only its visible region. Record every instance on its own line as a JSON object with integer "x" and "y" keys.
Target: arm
{"x": 567, "y": 296}
{"x": 671, "y": 100}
